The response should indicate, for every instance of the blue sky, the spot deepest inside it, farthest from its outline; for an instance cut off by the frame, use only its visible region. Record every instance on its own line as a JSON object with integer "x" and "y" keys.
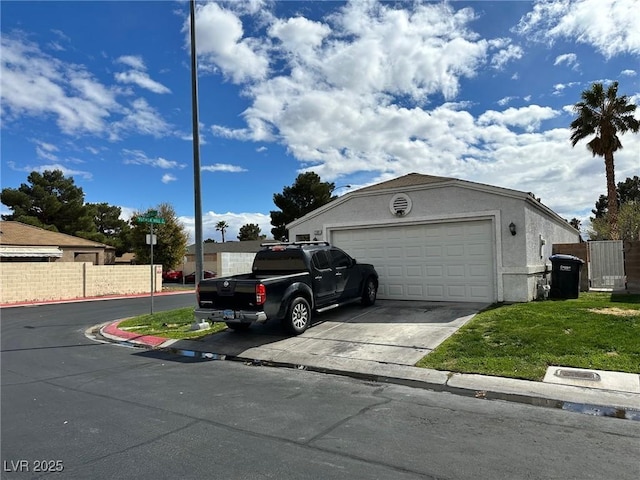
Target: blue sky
{"x": 359, "y": 92}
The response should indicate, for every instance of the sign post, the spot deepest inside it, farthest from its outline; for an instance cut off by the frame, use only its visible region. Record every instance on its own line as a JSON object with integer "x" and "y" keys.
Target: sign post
{"x": 151, "y": 218}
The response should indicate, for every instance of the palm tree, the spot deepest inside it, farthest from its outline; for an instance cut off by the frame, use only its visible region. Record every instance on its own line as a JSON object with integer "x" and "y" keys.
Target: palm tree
{"x": 604, "y": 115}
{"x": 222, "y": 226}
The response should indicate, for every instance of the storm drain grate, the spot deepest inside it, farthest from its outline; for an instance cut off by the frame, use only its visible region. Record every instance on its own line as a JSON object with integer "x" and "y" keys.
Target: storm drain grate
{"x": 578, "y": 375}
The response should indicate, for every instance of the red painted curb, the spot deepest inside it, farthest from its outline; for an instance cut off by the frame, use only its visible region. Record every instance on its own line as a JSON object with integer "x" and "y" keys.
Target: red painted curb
{"x": 149, "y": 340}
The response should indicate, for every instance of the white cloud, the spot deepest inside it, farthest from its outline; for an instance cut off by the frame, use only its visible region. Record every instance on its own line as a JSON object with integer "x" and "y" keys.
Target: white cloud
{"x": 168, "y": 178}
{"x": 138, "y": 75}
{"x": 629, "y": 73}
{"x": 142, "y": 80}
{"x": 34, "y": 84}
{"x": 568, "y": 59}
{"x": 223, "y": 167}
{"x": 140, "y": 118}
{"x": 559, "y": 88}
{"x": 611, "y": 26}
{"x": 134, "y": 61}
{"x": 299, "y": 35}
{"x": 505, "y": 55}
{"x": 138, "y": 157}
{"x": 46, "y": 151}
{"x": 506, "y": 100}
{"x": 221, "y": 44}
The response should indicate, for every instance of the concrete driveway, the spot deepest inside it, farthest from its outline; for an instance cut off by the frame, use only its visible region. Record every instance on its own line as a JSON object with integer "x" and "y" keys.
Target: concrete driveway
{"x": 391, "y": 332}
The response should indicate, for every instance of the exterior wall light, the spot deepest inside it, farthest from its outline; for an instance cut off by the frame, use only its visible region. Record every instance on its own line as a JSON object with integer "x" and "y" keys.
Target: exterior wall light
{"x": 512, "y": 228}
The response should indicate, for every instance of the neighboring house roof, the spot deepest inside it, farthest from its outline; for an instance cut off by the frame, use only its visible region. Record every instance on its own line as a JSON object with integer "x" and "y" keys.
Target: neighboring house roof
{"x": 248, "y": 246}
{"x": 18, "y": 234}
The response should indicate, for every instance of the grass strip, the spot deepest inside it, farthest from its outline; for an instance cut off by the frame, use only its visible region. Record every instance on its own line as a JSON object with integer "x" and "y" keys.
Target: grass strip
{"x": 597, "y": 331}
{"x": 174, "y": 324}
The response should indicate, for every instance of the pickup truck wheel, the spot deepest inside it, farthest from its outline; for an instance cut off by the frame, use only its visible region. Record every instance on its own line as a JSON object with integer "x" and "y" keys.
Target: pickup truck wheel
{"x": 299, "y": 316}
{"x": 369, "y": 293}
{"x": 238, "y": 327}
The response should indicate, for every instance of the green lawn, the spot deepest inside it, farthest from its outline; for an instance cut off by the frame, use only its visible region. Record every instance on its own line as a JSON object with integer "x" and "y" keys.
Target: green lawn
{"x": 169, "y": 324}
{"x": 598, "y": 330}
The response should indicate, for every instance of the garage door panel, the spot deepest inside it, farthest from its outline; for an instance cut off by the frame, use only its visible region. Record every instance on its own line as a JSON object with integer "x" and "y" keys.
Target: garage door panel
{"x": 438, "y": 262}
{"x": 456, "y": 271}
{"x": 414, "y": 271}
{"x": 479, "y": 292}
{"x": 456, "y": 292}
{"x": 415, "y": 291}
{"x": 434, "y": 272}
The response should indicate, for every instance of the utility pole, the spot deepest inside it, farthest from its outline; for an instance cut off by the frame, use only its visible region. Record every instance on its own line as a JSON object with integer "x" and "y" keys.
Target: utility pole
{"x": 196, "y": 157}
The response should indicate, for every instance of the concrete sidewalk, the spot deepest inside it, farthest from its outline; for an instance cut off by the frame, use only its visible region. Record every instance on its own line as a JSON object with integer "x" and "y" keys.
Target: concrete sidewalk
{"x": 358, "y": 343}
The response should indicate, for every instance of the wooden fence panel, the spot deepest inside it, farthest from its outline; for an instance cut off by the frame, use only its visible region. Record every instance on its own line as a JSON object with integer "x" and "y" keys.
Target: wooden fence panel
{"x": 632, "y": 265}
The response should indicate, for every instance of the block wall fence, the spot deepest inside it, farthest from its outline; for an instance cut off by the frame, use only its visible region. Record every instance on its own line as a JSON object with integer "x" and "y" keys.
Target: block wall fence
{"x": 34, "y": 282}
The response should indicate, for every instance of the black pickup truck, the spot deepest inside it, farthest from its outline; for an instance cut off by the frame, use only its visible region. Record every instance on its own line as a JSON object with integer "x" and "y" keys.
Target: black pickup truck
{"x": 288, "y": 282}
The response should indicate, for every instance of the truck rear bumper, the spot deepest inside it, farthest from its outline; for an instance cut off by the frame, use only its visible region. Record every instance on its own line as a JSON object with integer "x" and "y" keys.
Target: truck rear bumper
{"x": 229, "y": 316}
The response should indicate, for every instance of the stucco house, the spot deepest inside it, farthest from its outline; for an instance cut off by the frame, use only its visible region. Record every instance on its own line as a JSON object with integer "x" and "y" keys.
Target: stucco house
{"x": 443, "y": 239}
{"x": 20, "y": 242}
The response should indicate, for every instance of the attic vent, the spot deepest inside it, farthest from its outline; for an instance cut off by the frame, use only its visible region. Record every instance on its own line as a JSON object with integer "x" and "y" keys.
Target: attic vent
{"x": 400, "y": 205}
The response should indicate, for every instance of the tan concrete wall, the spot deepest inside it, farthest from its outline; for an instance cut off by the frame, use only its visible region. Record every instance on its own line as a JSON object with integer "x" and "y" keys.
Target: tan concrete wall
{"x": 34, "y": 281}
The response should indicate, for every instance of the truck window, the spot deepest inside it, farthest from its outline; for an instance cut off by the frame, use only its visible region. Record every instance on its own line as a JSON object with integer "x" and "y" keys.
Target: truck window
{"x": 279, "y": 261}
{"x": 321, "y": 261}
{"x": 340, "y": 259}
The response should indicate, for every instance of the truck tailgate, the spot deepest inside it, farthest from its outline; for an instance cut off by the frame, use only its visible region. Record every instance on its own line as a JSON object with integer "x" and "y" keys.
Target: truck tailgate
{"x": 228, "y": 293}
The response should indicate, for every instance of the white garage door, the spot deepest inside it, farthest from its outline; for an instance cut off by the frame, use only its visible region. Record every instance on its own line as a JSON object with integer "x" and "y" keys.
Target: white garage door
{"x": 437, "y": 262}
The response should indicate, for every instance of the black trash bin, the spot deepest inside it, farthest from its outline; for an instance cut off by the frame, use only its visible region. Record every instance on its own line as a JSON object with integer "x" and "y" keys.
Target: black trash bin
{"x": 565, "y": 276}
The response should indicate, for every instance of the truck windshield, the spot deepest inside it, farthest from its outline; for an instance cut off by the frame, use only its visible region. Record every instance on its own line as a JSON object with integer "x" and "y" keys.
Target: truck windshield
{"x": 279, "y": 261}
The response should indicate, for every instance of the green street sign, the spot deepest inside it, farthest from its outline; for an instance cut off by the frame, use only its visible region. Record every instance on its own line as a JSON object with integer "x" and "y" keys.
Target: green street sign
{"x": 150, "y": 220}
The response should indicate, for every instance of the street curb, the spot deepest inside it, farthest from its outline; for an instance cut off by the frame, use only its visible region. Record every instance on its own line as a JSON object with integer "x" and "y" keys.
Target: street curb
{"x": 584, "y": 400}
{"x": 111, "y": 331}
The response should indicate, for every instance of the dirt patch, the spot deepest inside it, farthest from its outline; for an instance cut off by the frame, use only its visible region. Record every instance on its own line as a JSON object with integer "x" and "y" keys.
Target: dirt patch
{"x": 620, "y": 312}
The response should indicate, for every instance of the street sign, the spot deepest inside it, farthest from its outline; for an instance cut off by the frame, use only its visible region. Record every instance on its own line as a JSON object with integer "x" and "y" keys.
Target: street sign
{"x": 150, "y": 220}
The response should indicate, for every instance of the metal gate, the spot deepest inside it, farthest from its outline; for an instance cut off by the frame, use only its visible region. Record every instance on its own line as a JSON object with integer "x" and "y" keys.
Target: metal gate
{"x": 606, "y": 265}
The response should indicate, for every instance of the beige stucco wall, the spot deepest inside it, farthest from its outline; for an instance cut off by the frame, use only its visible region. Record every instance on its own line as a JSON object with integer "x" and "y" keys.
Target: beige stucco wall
{"x": 33, "y": 282}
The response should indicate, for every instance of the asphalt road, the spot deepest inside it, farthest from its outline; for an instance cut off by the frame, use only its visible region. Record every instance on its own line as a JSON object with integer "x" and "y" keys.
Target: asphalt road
{"x": 104, "y": 411}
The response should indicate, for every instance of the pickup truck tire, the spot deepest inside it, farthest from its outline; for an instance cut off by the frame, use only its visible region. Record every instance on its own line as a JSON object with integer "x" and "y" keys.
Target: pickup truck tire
{"x": 238, "y": 327}
{"x": 369, "y": 292}
{"x": 298, "y": 317}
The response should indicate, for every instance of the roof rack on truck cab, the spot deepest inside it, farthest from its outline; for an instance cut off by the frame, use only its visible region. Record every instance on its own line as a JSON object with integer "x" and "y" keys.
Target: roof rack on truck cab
{"x": 297, "y": 243}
